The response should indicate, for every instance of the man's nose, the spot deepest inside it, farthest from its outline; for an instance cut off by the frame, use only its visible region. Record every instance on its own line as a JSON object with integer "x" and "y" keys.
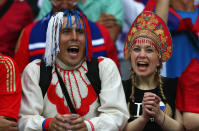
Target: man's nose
{"x": 74, "y": 34}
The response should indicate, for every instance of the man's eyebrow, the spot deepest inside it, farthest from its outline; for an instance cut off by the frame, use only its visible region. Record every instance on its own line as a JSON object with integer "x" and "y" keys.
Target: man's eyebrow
{"x": 64, "y": 29}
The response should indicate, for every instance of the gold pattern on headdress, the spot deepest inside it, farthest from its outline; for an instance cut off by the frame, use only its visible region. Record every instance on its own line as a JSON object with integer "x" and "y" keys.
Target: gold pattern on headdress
{"x": 155, "y": 25}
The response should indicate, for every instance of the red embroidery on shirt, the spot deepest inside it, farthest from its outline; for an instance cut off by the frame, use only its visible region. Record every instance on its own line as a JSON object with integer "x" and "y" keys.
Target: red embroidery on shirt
{"x": 100, "y": 60}
{"x": 38, "y": 63}
{"x": 77, "y": 85}
{"x": 84, "y": 68}
{"x": 59, "y": 102}
{"x": 82, "y": 78}
{"x": 85, "y": 102}
{"x": 92, "y": 126}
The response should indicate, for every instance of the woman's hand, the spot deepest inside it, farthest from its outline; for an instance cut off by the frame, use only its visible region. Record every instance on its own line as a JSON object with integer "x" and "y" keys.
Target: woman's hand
{"x": 150, "y": 105}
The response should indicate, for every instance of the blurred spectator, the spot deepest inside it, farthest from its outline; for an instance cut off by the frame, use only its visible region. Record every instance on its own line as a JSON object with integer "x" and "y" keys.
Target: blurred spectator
{"x": 32, "y": 44}
{"x": 14, "y": 15}
{"x": 131, "y": 10}
{"x": 45, "y": 8}
{"x": 33, "y": 4}
{"x": 107, "y": 12}
{"x": 10, "y": 93}
{"x": 196, "y": 2}
{"x": 183, "y": 22}
{"x": 39, "y": 3}
{"x": 188, "y": 94}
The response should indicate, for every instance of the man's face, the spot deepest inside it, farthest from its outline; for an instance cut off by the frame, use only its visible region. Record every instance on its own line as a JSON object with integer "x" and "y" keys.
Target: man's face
{"x": 59, "y": 5}
{"x": 72, "y": 43}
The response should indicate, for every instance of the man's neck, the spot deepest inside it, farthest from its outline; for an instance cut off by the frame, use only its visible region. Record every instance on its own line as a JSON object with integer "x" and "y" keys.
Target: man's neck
{"x": 183, "y": 5}
{"x": 65, "y": 66}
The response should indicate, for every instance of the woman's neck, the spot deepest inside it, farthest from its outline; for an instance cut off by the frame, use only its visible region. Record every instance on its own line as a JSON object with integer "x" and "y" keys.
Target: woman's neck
{"x": 183, "y": 5}
{"x": 147, "y": 83}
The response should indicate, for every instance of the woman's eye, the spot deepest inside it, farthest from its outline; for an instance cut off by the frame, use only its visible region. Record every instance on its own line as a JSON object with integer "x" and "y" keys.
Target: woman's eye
{"x": 149, "y": 50}
{"x": 136, "y": 49}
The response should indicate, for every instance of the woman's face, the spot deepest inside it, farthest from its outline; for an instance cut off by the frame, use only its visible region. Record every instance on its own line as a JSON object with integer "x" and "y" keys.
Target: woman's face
{"x": 144, "y": 59}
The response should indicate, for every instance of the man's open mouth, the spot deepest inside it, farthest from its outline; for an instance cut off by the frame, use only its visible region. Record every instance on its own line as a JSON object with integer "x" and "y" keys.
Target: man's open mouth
{"x": 73, "y": 49}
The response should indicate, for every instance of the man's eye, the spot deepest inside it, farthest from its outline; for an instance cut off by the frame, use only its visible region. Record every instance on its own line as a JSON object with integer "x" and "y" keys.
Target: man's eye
{"x": 81, "y": 31}
{"x": 136, "y": 49}
{"x": 66, "y": 31}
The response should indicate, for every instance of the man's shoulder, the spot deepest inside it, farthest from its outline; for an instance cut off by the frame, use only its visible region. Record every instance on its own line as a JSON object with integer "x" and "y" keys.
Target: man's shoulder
{"x": 33, "y": 66}
{"x": 8, "y": 63}
{"x": 22, "y": 6}
{"x": 105, "y": 62}
{"x": 102, "y": 59}
{"x": 5, "y": 58}
{"x": 35, "y": 62}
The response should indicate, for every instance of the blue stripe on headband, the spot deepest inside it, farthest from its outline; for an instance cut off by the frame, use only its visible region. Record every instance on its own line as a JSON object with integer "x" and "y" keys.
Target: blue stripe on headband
{"x": 76, "y": 21}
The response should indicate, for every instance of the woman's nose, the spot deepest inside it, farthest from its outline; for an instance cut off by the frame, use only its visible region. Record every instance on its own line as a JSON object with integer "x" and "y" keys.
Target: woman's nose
{"x": 142, "y": 53}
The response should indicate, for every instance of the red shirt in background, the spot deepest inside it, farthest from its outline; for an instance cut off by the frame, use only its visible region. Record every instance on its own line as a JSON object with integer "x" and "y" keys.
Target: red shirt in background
{"x": 12, "y": 22}
{"x": 10, "y": 88}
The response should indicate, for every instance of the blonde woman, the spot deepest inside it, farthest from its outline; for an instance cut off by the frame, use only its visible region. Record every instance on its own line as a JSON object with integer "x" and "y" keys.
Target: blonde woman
{"x": 150, "y": 97}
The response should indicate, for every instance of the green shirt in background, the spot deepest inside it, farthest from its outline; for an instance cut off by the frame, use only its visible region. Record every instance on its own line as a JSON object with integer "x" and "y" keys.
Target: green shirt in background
{"x": 92, "y": 9}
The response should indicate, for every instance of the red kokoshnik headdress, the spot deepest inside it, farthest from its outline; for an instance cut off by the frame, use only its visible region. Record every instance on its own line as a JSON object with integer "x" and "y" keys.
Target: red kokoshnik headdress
{"x": 150, "y": 25}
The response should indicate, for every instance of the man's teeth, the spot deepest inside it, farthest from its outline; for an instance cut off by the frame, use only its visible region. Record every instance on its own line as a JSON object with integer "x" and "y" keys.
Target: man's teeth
{"x": 73, "y": 49}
